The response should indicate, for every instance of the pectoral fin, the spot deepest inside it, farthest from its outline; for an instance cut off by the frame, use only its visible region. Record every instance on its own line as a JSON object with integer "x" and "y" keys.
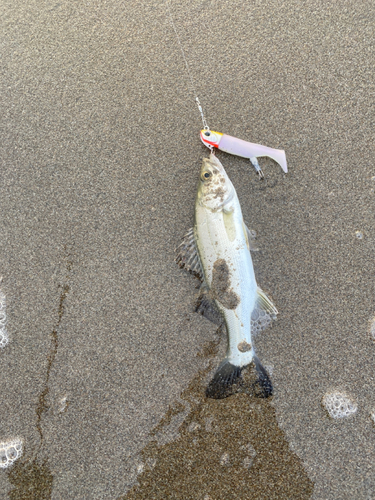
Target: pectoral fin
{"x": 250, "y": 238}
{"x": 187, "y": 255}
{"x": 263, "y": 313}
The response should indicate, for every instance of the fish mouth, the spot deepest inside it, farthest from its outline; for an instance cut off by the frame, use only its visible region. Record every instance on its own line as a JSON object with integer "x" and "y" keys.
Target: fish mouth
{"x": 213, "y": 162}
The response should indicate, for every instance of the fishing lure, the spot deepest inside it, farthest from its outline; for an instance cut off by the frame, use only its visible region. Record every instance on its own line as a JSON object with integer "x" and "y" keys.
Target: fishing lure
{"x": 245, "y": 149}
{"x": 228, "y": 143}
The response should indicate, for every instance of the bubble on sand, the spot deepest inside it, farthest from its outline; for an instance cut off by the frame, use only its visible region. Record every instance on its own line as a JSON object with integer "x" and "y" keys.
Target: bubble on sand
{"x": 63, "y": 404}
{"x": 10, "y": 451}
{"x": 194, "y": 426}
{"x": 140, "y": 468}
{"x": 338, "y": 405}
{"x": 247, "y": 462}
{"x": 4, "y": 339}
{"x": 372, "y": 328}
{"x": 359, "y": 235}
{"x": 151, "y": 462}
{"x": 224, "y": 460}
{"x": 250, "y": 450}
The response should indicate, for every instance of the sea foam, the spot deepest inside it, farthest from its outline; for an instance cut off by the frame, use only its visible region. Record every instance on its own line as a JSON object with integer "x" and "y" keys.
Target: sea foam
{"x": 4, "y": 339}
{"x": 10, "y": 451}
{"x": 338, "y": 405}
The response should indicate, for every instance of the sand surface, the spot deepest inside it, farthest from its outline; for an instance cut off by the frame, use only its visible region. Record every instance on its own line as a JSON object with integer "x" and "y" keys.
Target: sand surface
{"x": 103, "y": 377}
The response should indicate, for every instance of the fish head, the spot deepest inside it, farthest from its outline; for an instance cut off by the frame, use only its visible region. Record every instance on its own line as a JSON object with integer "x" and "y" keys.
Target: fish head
{"x": 210, "y": 138}
{"x": 215, "y": 189}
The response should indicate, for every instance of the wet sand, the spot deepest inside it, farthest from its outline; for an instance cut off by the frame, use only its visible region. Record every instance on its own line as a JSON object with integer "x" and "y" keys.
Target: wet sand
{"x": 230, "y": 448}
{"x": 100, "y": 158}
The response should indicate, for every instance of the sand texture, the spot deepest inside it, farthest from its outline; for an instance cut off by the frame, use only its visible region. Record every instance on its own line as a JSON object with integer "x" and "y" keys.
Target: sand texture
{"x": 104, "y": 375}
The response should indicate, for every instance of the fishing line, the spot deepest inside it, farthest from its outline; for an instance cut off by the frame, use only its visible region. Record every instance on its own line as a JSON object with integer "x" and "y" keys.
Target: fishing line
{"x": 224, "y": 142}
{"x": 205, "y": 126}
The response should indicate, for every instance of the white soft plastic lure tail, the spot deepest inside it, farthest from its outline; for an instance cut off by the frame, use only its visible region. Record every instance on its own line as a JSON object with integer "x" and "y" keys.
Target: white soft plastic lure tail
{"x": 217, "y": 250}
{"x": 245, "y": 149}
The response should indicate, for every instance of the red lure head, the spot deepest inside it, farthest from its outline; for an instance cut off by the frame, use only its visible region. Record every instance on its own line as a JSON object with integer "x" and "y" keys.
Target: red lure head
{"x": 211, "y": 138}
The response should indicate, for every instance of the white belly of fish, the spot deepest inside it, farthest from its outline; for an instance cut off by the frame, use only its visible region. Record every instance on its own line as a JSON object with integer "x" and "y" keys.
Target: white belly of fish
{"x": 229, "y": 274}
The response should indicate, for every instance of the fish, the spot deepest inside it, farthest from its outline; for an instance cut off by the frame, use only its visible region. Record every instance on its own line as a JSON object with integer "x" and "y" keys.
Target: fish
{"x": 242, "y": 148}
{"x": 217, "y": 250}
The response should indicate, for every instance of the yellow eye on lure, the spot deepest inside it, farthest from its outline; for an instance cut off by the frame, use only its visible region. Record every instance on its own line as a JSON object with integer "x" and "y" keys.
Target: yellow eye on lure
{"x": 245, "y": 149}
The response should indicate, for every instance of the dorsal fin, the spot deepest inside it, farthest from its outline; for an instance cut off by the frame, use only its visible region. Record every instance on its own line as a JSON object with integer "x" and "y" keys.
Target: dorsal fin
{"x": 187, "y": 255}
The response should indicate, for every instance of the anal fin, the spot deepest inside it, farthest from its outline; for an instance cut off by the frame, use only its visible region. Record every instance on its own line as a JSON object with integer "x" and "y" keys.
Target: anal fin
{"x": 207, "y": 307}
{"x": 263, "y": 313}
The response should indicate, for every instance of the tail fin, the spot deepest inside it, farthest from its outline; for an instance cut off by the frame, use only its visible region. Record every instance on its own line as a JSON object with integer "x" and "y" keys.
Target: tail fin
{"x": 225, "y": 381}
{"x": 264, "y": 383}
{"x": 230, "y": 379}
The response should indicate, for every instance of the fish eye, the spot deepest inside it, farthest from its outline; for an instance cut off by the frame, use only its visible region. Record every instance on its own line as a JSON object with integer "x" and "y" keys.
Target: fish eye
{"x": 206, "y": 176}
{"x": 207, "y": 134}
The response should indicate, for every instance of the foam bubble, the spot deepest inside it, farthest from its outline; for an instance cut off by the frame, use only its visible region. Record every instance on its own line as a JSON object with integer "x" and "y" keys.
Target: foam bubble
{"x": 247, "y": 462}
{"x": 372, "y": 327}
{"x": 4, "y": 339}
{"x": 140, "y": 468}
{"x": 194, "y": 426}
{"x": 224, "y": 460}
{"x": 10, "y": 451}
{"x": 63, "y": 404}
{"x": 339, "y": 405}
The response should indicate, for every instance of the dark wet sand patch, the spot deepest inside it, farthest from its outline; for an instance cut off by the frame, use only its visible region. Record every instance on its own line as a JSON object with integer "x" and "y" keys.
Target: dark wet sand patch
{"x": 231, "y": 448}
{"x": 30, "y": 481}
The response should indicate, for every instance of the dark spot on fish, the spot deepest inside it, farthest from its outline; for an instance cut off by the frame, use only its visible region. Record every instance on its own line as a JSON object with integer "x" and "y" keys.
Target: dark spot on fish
{"x": 220, "y": 286}
{"x": 219, "y": 193}
{"x": 244, "y": 346}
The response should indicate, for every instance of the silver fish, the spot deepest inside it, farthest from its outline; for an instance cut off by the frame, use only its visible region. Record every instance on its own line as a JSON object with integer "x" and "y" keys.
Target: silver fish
{"x": 217, "y": 250}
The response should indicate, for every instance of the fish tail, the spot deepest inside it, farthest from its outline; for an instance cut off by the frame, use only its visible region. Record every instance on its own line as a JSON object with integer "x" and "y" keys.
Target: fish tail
{"x": 264, "y": 384}
{"x": 224, "y": 382}
{"x": 229, "y": 379}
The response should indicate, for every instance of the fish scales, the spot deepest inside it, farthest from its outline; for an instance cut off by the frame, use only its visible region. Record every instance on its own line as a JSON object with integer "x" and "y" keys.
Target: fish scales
{"x": 213, "y": 244}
